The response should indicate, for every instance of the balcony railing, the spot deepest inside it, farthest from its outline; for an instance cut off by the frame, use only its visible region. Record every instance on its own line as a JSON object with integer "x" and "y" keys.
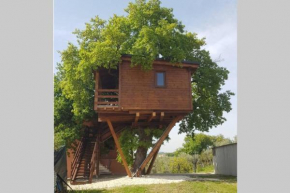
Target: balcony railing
{"x": 107, "y": 98}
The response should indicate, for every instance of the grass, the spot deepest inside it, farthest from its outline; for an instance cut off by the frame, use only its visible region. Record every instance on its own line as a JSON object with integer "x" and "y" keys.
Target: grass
{"x": 206, "y": 169}
{"x": 225, "y": 185}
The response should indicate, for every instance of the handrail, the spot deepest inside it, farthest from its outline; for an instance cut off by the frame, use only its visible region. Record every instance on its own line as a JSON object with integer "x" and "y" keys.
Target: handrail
{"x": 93, "y": 161}
{"x": 77, "y": 153}
{"x": 108, "y": 90}
{"x": 76, "y": 159}
{"x": 107, "y": 97}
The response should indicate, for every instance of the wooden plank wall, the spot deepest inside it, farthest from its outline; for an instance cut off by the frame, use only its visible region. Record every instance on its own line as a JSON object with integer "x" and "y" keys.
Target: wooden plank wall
{"x": 138, "y": 89}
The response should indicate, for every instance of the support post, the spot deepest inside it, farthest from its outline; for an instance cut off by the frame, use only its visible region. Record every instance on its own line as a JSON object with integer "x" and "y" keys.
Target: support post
{"x": 151, "y": 117}
{"x": 157, "y": 145}
{"x": 152, "y": 162}
{"x": 98, "y": 154}
{"x": 137, "y": 117}
{"x": 161, "y": 116}
{"x": 119, "y": 148}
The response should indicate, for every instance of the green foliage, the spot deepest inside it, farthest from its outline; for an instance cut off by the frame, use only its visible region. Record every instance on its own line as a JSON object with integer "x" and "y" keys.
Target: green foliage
{"x": 220, "y": 140}
{"x": 130, "y": 142}
{"x": 161, "y": 165}
{"x": 146, "y": 32}
{"x": 200, "y": 143}
{"x": 206, "y": 157}
{"x": 205, "y": 169}
{"x": 180, "y": 165}
{"x": 199, "y": 147}
{"x": 65, "y": 128}
{"x": 197, "y": 144}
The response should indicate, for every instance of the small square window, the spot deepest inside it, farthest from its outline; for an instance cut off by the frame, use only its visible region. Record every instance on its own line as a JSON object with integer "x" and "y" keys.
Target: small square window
{"x": 160, "y": 79}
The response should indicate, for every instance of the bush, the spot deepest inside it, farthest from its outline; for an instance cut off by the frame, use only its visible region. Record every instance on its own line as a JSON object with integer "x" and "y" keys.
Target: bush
{"x": 180, "y": 165}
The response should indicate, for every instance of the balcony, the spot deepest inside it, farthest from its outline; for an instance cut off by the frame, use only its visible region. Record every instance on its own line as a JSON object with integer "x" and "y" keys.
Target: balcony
{"x": 107, "y": 98}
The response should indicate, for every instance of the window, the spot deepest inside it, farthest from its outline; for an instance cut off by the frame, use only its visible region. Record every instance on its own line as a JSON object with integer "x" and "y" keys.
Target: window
{"x": 160, "y": 79}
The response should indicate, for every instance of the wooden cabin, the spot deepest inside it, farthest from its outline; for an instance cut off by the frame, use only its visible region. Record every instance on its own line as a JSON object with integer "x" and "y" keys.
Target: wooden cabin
{"x": 130, "y": 96}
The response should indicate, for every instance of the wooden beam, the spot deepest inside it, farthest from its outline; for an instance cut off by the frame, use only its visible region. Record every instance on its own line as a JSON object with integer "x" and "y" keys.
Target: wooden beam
{"x": 137, "y": 117}
{"x": 152, "y": 162}
{"x": 158, "y": 144}
{"x": 98, "y": 154}
{"x": 151, "y": 117}
{"x": 119, "y": 148}
{"x": 161, "y": 116}
{"x": 143, "y": 112}
{"x": 107, "y": 102}
{"x": 108, "y": 90}
{"x": 108, "y": 96}
{"x": 148, "y": 124}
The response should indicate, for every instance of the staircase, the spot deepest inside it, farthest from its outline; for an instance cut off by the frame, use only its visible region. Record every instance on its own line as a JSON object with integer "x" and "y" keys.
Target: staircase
{"x": 84, "y": 164}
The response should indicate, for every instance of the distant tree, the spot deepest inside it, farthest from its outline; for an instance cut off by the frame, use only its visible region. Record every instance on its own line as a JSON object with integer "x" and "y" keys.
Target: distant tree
{"x": 221, "y": 140}
{"x": 180, "y": 164}
{"x": 235, "y": 139}
{"x": 161, "y": 165}
{"x": 194, "y": 146}
{"x": 147, "y": 31}
{"x": 206, "y": 158}
{"x": 197, "y": 144}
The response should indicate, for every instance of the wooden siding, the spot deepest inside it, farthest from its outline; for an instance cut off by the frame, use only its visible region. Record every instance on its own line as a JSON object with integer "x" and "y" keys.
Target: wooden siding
{"x": 138, "y": 91}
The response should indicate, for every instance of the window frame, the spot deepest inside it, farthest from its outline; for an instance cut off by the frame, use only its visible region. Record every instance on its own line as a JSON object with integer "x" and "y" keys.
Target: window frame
{"x": 164, "y": 78}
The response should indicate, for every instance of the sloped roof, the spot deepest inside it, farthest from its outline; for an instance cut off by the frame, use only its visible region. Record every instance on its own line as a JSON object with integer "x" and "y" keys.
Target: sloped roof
{"x": 161, "y": 61}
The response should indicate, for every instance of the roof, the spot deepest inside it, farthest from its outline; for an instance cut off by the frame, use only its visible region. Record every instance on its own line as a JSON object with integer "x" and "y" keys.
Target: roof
{"x": 225, "y": 145}
{"x": 189, "y": 64}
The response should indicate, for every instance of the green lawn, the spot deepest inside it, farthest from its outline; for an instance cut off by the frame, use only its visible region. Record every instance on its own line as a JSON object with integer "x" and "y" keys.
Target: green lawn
{"x": 206, "y": 169}
{"x": 225, "y": 185}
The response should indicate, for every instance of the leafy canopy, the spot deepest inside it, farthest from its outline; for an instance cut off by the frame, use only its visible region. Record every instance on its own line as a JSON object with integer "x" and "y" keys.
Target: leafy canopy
{"x": 146, "y": 31}
{"x": 130, "y": 142}
{"x": 200, "y": 143}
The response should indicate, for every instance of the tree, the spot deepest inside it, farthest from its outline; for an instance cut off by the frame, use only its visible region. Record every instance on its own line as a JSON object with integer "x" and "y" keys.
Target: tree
{"x": 180, "y": 164}
{"x": 199, "y": 147}
{"x": 147, "y": 31}
{"x": 65, "y": 129}
{"x": 195, "y": 146}
{"x": 220, "y": 140}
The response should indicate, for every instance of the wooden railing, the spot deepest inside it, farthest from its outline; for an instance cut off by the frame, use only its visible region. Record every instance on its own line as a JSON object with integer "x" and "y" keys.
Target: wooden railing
{"x": 76, "y": 160}
{"x": 93, "y": 162}
{"x": 107, "y": 98}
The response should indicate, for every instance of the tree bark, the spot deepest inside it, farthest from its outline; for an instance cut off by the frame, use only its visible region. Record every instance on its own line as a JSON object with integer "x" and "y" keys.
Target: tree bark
{"x": 141, "y": 152}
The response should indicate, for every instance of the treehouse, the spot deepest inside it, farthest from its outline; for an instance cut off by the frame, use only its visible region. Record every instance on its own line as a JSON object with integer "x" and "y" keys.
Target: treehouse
{"x": 130, "y": 96}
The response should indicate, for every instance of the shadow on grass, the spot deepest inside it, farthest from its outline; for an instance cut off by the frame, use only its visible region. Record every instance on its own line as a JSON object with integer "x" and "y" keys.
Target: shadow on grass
{"x": 214, "y": 177}
{"x": 88, "y": 191}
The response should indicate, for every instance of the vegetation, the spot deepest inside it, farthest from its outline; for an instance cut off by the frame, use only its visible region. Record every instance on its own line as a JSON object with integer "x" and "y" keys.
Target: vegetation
{"x": 225, "y": 185}
{"x": 195, "y": 155}
{"x": 147, "y": 31}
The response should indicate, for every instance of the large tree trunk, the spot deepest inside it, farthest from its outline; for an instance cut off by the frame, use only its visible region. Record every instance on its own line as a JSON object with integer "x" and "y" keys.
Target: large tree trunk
{"x": 141, "y": 152}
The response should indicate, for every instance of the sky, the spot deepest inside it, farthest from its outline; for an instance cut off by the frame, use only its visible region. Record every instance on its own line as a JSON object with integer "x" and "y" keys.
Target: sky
{"x": 216, "y": 20}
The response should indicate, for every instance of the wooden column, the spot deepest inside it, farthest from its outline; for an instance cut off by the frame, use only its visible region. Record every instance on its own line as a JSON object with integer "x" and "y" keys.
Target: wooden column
{"x": 157, "y": 145}
{"x": 119, "y": 148}
{"x": 152, "y": 162}
{"x": 98, "y": 154}
{"x": 151, "y": 117}
{"x": 137, "y": 117}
